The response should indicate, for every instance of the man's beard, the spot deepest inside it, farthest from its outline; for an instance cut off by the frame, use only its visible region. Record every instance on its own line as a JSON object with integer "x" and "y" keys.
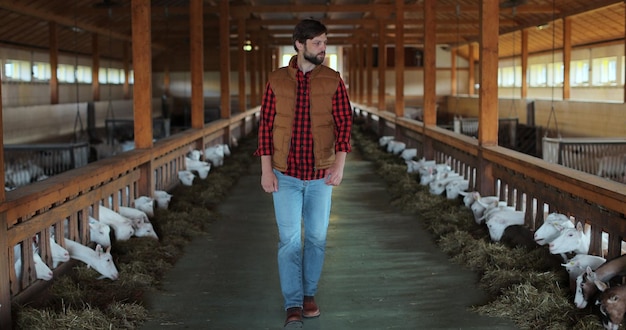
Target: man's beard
{"x": 314, "y": 59}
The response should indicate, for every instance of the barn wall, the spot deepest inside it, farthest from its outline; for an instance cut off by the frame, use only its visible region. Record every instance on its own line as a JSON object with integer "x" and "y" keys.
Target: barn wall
{"x": 42, "y": 122}
{"x": 574, "y": 118}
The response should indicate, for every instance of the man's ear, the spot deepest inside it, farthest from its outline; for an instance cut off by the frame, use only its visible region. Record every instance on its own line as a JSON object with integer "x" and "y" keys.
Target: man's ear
{"x": 299, "y": 45}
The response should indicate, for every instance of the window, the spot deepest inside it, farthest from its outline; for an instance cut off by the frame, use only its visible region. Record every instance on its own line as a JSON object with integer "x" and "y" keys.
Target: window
{"x": 131, "y": 77}
{"x": 41, "y": 71}
{"x": 65, "y": 73}
{"x": 17, "y": 70}
{"x": 111, "y": 76}
{"x": 579, "y": 73}
{"x": 538, "y": 75}
{"x": 510, "y": 76}
{"x": 604, "y": 71}
{"x": 83, "y": 74}
{"x": 555, "y": 74}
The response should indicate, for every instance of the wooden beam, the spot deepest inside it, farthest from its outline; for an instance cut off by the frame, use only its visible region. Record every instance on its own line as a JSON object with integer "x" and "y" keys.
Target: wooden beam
{"x": 54, "y": 62}
{"x": 382, "y": 65}
{"x": 430, "y": 64}
{"x": 196, "y": 45}
{"x": 399, "y": 58}
{"x": 488, "y": 91}
{"x": 224, "y": 59}
{"x": 242, "y": 54}
{"x": 567, "y": 56}
{"x": 142, "y": 64}
{"x": 95, "y": 68}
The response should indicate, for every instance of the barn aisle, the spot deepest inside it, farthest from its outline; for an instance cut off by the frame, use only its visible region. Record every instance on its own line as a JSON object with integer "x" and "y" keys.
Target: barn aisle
{"x": 383, "y": 270}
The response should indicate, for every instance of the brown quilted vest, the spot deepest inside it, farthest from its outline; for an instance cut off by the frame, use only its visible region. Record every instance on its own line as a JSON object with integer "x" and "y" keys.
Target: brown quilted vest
{"x": 324, "y": 83}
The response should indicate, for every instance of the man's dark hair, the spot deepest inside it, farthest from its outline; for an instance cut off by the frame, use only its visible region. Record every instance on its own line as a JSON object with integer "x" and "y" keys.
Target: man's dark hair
{"x": 307, "y": 29}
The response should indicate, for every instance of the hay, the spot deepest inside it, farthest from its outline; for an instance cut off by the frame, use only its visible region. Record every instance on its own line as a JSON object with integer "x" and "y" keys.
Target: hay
{"x": 530, "y": 307}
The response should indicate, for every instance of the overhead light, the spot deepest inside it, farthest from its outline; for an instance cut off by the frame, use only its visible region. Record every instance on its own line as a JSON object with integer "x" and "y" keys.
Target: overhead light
{"x": 247, "y": 46}
{"x": 543, "y": 26}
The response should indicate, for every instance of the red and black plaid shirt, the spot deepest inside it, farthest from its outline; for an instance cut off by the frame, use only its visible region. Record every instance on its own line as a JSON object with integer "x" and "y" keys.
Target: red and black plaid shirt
{"x": 301, "y": 162}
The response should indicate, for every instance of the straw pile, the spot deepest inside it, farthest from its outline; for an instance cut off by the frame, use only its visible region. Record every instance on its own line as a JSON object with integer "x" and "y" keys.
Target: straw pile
{"x": 527, "y": 286}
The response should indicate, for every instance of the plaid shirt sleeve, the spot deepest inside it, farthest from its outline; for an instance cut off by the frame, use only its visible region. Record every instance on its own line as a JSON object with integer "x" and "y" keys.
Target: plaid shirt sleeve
{"x": 266, "y": 123}
{"x": 342, "y": 114}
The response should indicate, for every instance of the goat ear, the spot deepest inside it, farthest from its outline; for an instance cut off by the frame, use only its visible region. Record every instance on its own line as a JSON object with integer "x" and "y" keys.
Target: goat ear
{"x": 601, "y": 285}
{"x": 108, "y": 249}
{"x": 579, "y": 226}
{"x": 99, "y": 248}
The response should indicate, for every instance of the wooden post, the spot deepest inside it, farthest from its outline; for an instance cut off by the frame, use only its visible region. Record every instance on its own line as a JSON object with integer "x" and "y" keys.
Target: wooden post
{"x": 524, "y": 64}
{"x": 196, "y": 45}
{"x": 382, "y": 64}
{"x": 430, "y": 63}
{"x": 488, "y": 92}
{"x": 142, "y": 96}
{"x": 471, "y": 80}
{"x": 224, "y": 59}
{"x": 567, "y": 56}
{"x": 242, "y": 54}
{"x": 54, "y": 63}
{"x": 453, "y": 74}
{"x": 399, "y": 58}
{"x": 369, "y": 58}
{"x": 95, "y": 68}
{"x": 126, "y": 65}
{"x": 5, "y": 288}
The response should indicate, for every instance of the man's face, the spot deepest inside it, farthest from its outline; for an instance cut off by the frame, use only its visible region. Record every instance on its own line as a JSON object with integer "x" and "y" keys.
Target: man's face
{"x": 315, "y": 49}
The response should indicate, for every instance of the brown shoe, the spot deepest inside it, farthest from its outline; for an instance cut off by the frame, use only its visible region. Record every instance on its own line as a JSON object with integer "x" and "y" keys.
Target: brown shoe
{"x": 310, "y": 307}
{"x": 294, "y": 318}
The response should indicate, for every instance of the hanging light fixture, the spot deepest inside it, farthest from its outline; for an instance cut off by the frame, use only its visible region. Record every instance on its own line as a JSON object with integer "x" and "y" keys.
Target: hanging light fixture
{"x": 247, "y": 46}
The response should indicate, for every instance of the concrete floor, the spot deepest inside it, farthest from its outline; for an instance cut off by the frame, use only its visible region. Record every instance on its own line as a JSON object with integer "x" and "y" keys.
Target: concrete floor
{"x": 382, "y": 271}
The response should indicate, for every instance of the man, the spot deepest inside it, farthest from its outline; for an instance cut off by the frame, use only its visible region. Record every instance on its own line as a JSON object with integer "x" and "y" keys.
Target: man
{"x": 304, "y": 137}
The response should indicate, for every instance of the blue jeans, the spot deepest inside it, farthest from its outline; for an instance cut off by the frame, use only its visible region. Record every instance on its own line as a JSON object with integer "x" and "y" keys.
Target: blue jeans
{"x": 299, "y": 202}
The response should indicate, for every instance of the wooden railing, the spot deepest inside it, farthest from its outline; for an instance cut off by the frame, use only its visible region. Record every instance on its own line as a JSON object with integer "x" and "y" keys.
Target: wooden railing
{"x": 525, "y": 182}
{"x": 61, "y": 205}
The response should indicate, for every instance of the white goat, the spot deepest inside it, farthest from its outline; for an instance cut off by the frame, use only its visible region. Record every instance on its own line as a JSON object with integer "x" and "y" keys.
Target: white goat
{"x": 383, "y": 140}
{"x": 99, "y": 232}
{"x": 59, "y": 253}
{"x": 579, "y": 263}
{"x": 552, "y": 227}
{"x": 162, "y": 198}
{"x": 195, "y": 154}
{"x": 122, "y": 226}
{"x": 468, "y": 197}
{"x": 216, "y": 154}
{"x": 395, "y": 147}
{"x": 42, "y": 270}
{"x": 408, "y": 153}
{"x": 482, "y": 203}
{"x": 574, "y": 240}
{"x": 415, "y": 165}
{"x": 145, "y": 204}
{"x": 498, "y": 221}
{"x": 141, "y": 222}
{"x": 98, "y": 259}
{"x": 186, "y": 177}
{"x": 438, "y": 186}
{"x": 454, "y": 188}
